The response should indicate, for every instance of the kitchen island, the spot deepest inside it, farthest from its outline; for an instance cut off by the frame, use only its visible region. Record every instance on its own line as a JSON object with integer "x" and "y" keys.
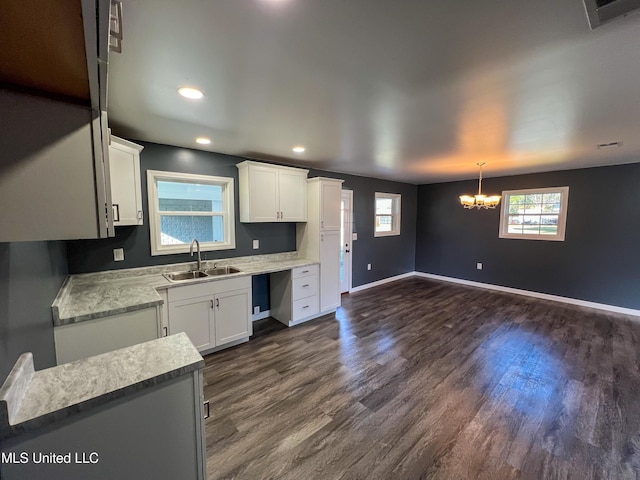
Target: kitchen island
{"x": 71, "y": 421}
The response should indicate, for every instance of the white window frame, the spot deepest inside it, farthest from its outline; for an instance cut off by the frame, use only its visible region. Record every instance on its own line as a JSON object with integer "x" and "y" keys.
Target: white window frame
{"x": 395, "y": 214}
{"x": 153, "y": 176}
{"x": 562, "y": 217}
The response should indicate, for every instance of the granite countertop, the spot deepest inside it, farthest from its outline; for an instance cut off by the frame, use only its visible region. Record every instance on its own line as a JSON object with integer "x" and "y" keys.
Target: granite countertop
{"x": 101, "y": 294}
{"x": 30, "y": 399}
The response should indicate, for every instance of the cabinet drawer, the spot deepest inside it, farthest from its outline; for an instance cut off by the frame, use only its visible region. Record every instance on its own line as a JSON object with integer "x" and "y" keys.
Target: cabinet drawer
{"x": 305, "y": 287}
{"x": 305, "y": 307}
{"x": 304, "y": 271}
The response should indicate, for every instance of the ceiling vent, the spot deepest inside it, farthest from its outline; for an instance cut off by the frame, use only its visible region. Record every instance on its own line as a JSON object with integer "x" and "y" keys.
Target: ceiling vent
{"x": 603, "y": 11}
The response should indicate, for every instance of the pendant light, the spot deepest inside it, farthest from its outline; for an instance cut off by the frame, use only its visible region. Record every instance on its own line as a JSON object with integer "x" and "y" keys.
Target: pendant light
{"x": 480, "y": 200}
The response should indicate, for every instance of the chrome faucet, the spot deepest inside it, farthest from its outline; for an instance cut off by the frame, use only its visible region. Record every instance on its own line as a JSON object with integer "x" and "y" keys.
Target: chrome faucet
{"x": 199, "y": 268}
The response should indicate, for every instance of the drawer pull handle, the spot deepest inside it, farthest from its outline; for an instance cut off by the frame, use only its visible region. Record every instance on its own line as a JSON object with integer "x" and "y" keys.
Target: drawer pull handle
{"x": 206, "y": 405}
{"x": 305, "y": 271}
{"x": 304, "y": 286}
{"x": 165, "y": 331}
{"x": 306, "y": 306}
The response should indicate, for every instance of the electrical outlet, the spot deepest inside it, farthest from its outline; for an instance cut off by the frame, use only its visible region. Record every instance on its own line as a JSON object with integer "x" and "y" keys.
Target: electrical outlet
{"x": 118, "y": 254}
{"x": 368, "y": 266}
{"x": 354, "y": 236}
{"x": 256, "y": 309}
{"x": 256, "y": 244}
{"x": 479, "y": 266}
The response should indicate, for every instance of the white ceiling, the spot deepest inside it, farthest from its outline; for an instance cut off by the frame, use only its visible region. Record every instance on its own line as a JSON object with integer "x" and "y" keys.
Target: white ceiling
{"x": 416, "y": 91}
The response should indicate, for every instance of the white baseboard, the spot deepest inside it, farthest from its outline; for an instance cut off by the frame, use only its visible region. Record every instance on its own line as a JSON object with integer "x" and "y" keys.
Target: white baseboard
{"x": 381, "y": 282}
{"x": 261, "y": 315}
{"x": 528, "y": 293}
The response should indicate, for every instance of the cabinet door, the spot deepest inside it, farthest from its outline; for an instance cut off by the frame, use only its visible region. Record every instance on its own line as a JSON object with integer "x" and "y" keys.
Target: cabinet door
{"x": 232, "y": 318}
{"x": 293, "y": 195}
{"x": 263, "y": 199}
{"x": 194, "y": 316}
{"x": 125, "y": 185}
{"x": 330, "y": 206}
{"x": 329, "y": 270}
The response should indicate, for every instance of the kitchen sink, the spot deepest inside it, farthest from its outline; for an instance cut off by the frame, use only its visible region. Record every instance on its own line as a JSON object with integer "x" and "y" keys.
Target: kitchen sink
{"x": 222, "y": 271}
{"x": 182, "y": 276}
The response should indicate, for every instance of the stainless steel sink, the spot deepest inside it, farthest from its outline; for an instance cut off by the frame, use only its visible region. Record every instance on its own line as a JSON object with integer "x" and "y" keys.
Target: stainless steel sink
{"x": 222, "y": 271}
{"x": 182, "y": 276}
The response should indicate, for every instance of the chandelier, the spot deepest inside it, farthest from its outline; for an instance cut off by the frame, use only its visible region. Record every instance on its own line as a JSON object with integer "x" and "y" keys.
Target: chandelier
{"x": 480, "y": 200}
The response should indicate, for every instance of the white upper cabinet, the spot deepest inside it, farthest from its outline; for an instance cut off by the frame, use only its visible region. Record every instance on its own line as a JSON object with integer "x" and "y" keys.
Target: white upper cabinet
{"x": 53, "y": 176}
{"x": 292, "y": 195}
{"x": 126, "y": 188}
{"x": 54, "y": 162}
{"x": 330, "y": 194}
{"x": 270, "y": 193}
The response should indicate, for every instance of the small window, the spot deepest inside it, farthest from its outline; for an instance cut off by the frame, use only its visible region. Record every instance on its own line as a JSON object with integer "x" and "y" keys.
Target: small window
{"x": 185, "y": 206}
{"x": 537, "y": 214}
{"x": 387, "y": 214}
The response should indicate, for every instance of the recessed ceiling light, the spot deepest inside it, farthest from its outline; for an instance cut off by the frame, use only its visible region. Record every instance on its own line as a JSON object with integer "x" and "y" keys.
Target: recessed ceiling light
{"x": 203, "y": 140}
{"x": 190, "y": 92}
{"x": 298, "y": 149}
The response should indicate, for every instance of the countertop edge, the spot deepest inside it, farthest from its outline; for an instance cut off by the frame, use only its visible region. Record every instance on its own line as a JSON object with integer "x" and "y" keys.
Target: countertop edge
{"x": 8, "y": 430}
{"x": 63, "y": 294}
{"x": 61, "y": 322}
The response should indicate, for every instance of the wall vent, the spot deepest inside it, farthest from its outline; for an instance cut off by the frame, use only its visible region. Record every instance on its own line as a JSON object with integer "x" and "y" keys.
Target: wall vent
{"x": 603, "y": 11}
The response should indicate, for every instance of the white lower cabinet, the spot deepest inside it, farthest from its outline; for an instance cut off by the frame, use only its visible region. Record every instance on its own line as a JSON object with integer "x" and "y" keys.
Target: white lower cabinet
{"x": 295, "y": 295}
{"x": 101, "y": 335}
{"x": 194, "y": 317}
{"x": 232, "y": 320}
{"x": 212, "y": 314}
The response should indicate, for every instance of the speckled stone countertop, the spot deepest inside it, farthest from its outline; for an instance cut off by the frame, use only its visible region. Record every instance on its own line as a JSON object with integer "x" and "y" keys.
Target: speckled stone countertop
{"x": 96, "y": 295}
{"x": 30, "y": 399}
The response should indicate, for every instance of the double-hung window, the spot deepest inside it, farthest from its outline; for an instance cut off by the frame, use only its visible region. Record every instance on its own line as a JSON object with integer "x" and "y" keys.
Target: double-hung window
{"x": 183, "y": 207}
{"x": 387, "y": 219}
{"x": 534, "y": 214}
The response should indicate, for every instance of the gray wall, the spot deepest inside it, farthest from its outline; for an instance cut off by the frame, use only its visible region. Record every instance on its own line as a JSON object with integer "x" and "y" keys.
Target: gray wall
{"x": 31, "y": 273}
{"x": 599, "y": 260}
{"x": 388, "y": 256}
{"x": 96, "y": 255}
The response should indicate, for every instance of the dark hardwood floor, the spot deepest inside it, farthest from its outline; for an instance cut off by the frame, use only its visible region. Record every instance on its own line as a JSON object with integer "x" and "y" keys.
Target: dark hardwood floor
{"x": 422, "y": 379}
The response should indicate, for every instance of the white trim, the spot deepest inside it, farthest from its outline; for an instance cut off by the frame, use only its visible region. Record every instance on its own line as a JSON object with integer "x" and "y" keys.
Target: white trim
{"x": 259, "y": 316}
{"x": 396, "y": 206}
{"x": 528, "y": 293}
{"x": 562, "y": 216}
{"x": 516, "y": 291}
{"x": 154, "y": 215}
{"x": 381, "y": 282}
{"x": 349, "y": 193}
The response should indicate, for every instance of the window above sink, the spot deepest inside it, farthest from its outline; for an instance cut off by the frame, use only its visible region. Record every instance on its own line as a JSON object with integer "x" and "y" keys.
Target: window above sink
{"x": 187, "y": 206}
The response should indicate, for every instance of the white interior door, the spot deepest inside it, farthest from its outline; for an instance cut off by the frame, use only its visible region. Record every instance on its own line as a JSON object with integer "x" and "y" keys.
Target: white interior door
{"x": 346, "y": 227}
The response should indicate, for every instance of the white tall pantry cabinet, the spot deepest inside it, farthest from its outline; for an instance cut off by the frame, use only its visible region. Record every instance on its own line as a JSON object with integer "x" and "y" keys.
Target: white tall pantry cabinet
{"x": 319, "y": 238}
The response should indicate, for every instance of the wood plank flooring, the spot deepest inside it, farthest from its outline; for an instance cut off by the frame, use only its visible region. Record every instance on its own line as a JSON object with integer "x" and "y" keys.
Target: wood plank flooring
{"x": 423, "y": 379}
